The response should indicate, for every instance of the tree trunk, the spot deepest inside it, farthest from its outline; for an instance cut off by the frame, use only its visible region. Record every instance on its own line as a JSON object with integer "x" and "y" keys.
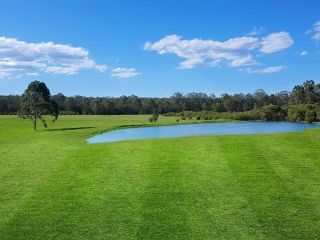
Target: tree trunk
{"x": 34, "y": 123}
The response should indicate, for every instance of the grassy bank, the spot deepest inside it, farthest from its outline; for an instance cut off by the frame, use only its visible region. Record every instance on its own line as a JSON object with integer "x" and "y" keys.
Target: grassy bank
{"x": 53, "y": 185}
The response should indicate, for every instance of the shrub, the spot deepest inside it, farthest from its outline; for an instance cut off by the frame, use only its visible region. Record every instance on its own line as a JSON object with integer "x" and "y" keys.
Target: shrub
{"x": 295, "y": 113}
{"x": 311, "y": 115}
{"x": 154, "y": 117}
{"x": 272, "y": 113}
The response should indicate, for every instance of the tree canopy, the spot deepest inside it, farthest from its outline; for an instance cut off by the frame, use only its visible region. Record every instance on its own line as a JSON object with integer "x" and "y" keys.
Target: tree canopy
{"x": 36, "y": 103}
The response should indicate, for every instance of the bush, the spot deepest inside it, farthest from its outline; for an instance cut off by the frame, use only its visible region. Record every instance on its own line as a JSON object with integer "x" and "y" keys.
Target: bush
{"x": 154, "y": 117}
{"x": 272, "y": 113}
{"x": 311, "y": 115}
{"x": 318, "y": 113}
{"x": 296, "y": 113}
{"x": 169, "y": 114}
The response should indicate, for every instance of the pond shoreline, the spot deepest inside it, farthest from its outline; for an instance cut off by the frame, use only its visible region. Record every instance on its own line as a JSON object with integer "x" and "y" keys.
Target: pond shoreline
{"x": 138, "y": 132}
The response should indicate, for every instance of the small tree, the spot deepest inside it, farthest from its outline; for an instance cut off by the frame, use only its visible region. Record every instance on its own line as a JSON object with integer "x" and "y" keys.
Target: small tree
{"x": 296, "y": 113}
{"x": 272, "y": 113}
{"x": 311, "y": 115}
{"x": 154, "y": 117}
{"x": 36, "y": 103}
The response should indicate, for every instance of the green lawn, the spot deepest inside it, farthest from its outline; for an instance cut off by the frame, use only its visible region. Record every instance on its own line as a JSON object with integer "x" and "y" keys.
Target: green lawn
{"x": 53, "y": 185}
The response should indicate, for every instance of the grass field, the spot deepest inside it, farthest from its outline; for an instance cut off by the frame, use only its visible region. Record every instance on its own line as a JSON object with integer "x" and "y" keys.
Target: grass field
{"x": 53, "y": 185}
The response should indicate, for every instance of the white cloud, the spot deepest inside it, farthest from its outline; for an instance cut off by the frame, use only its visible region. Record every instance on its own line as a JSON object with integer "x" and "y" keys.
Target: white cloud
{"x": 101, "y": 68}
{"x": 5, "y": 74}
{"x": 273, "y": 69}
{"x": 303, "y": 53}
{"x": 316, "y": 31}
{"x": 122, "y": 72}
{"x": 255, "y": 31}
{"x": 276, "y": 42}
{"x": 316, "y": 36}
{"x": 191, "y": 63}
{"x": 235, "y": 52}
{"x": 16, "y": 55}
{"x": 32, "y": 74}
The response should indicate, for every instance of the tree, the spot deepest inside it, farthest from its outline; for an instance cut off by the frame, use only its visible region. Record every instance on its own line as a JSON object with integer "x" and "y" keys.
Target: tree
{"x": 298, "y": 95}
{"x": 272, "y": 113}
{"x": 36, "y": 103}
{"x": 311, "y": 114}
{"x": 154, "y": 117}
{"x": 260, "y": 97}
{"x": 310, "y": 91}
{"x": 296, "y": 113}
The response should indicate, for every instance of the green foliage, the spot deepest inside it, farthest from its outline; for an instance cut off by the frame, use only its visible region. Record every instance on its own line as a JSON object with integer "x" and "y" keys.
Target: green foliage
{"x": 304, "y": 112}
{"x": 306, "y": 93}
{"x": 296, "y": 113}
{"x": 36, "y": 103}
{"x": 311, "y": 115}
{"x": 154, "y": 117}
{"x": 272, "y": 113}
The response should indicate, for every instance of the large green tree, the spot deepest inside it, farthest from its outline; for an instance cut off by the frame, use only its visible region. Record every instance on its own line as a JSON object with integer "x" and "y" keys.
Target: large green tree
{"x": 36, "y": 103}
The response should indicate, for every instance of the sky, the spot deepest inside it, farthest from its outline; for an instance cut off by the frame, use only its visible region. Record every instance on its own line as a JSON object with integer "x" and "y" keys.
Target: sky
{"x": 155, "y": 48}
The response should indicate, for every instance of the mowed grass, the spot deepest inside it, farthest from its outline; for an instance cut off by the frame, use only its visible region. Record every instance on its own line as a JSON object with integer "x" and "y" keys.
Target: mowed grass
{"x": 53, "y": 185}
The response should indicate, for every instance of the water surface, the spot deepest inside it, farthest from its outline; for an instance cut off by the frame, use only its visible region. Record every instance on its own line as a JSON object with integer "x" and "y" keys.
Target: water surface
{"x": 199, "y": 129}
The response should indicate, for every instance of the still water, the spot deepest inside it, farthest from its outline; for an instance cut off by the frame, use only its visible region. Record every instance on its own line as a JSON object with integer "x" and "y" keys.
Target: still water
{"x": 199, "y": 129}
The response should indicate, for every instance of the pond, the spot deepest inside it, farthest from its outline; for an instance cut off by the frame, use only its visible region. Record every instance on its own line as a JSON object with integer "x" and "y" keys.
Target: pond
{"x": 199, "y": 129}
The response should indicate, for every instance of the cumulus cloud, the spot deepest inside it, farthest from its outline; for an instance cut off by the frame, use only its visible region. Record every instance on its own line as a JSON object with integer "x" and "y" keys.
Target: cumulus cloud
{"x": 122, "y": 72}
{"x": 197, "y": 51}
{"x": 235, "y": 52}
{"x": 16, "y": 55}
{"x": 273, "y": 69}
{"x": 276, "y": 42}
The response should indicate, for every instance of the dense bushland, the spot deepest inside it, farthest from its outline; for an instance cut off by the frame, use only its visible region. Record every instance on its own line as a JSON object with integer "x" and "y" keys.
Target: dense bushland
{"x": 296, "y": 113}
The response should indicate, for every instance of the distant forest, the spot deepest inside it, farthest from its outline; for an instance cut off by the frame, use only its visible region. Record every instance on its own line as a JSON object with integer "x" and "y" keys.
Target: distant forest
{"x": 306, "y": 95}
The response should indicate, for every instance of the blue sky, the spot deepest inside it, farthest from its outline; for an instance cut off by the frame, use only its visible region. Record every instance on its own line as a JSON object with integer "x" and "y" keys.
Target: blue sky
{"x": 156, "y": 48}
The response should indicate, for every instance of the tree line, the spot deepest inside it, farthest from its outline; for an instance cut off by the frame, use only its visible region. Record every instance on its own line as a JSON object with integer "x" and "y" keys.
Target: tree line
{"x": 306, "y": 93}
{"x": 294, "y": 113}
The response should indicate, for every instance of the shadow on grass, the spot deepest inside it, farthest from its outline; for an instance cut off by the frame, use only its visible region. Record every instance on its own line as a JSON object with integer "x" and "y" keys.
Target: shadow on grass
{"x": 121, "y": 127}
{"x": 68, "y": 129}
